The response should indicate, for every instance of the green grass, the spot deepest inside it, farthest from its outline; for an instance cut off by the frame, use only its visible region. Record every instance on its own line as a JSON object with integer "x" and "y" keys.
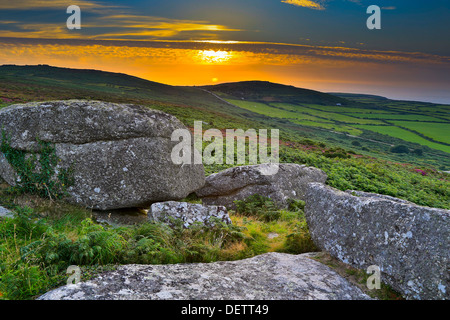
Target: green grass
{"x": 43, "y": 240}
{"x": 272, "y": 92}
{"x": 305, "y": 116}
{"x": 333, "y": 116}
{"x": 404, "y": 135}
{"x": 342, "y": 109}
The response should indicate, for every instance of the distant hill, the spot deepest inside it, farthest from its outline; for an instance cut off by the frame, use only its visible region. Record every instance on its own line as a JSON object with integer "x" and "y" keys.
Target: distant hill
{"x": 273, "y": 92}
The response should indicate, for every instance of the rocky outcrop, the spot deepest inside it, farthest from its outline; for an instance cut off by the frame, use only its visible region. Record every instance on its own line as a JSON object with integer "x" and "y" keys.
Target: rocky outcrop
{"x": 120, "y": 154}
{"x": 269, "y": 276}
{"x": 188, "y": 213}
{"x": 409, "y": 243}
{"x": 239, "y": 183}
{"x": 5, "y": 213}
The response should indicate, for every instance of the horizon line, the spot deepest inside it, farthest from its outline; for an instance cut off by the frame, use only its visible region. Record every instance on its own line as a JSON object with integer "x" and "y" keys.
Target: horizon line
{"x": 212, "y": 85}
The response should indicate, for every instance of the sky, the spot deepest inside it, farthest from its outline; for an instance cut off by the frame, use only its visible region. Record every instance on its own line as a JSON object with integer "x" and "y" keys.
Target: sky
{"x": 316, "y": 44}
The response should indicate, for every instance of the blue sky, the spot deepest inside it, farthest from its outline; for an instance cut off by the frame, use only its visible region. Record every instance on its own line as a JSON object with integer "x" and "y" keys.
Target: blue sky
{"x": 407, "y": 25}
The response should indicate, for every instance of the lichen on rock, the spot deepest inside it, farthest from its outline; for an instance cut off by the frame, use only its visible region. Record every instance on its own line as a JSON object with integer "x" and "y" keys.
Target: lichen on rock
{"x": 271, "y": 276}
{"x": 409, "y": 243}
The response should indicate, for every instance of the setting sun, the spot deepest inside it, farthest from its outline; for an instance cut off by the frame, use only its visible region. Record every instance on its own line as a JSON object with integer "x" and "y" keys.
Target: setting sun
{"x": 211, "y": 56}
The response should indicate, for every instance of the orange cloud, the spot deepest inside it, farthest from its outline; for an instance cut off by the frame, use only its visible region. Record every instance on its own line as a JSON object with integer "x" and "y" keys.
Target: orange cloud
{"x": 115, "y": 27}
{"x": 305, "y": 3}
{"x": 144, "y": 26}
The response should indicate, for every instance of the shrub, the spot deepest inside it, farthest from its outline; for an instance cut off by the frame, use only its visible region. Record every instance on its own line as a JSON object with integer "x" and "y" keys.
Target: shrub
{"x": 299, "y": 241}
{"x": 400, "y": 149}
{"x": 95, "y": 245}
{"x": 258, "y": 206}
{"x": 296, "y": 205}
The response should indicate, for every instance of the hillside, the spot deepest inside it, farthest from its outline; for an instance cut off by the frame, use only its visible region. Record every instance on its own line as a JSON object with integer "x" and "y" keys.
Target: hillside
{"x": 422, "y": 127}
{"x": 366, "y": 124}
{"x": 45, "y": 79}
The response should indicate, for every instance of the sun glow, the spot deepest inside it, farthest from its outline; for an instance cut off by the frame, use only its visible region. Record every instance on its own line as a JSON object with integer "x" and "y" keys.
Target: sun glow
{"x": 211, "y": 56}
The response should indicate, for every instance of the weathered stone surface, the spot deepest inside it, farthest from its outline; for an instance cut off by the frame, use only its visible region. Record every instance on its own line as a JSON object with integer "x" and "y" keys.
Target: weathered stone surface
{"x": 7, "y": 172}
{"x": 120, "y": 153}
{"x": 5, "y": 213}
{"x": 409, "y": 243}
{"x": 269, "y": 276}
{"x": 238, "y": 183}
{"x": 189, "y": 213}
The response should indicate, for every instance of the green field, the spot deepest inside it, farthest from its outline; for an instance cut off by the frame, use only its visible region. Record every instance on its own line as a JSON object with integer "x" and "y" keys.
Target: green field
{"x": 386, "y": 116}
{"x": 404, "y": 135}
{"x": 313, "y": 110}
{"x": 436, "y": 131}
{"x": 306, "y": 112}
{"x": 336, "y": 109}
{"x": 330, "y": 126}
{"x": 276, "y": 112}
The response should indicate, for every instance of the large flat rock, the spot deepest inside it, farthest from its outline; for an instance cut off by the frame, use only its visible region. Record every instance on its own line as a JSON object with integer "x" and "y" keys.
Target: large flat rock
{"x": 268, "y": 276}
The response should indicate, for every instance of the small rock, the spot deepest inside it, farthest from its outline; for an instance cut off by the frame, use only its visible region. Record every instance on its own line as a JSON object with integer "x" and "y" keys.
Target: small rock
{"x": 187, "y": 212}
{"x": 273, "y": 235}
{"x": 5, "y": 213}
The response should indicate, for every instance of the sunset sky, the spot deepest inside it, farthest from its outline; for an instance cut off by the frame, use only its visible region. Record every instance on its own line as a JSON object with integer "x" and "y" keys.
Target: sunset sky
{"x": 322, "y": 45}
